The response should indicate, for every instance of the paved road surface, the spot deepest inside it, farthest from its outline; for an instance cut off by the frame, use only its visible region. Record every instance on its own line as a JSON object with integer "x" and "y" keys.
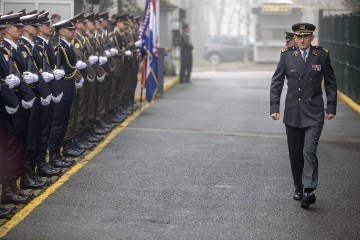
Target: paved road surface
{"x": 206, "y": 162}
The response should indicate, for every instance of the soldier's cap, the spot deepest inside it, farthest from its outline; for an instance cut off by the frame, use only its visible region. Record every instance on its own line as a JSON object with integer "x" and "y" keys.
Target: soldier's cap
{"x": 79, "y": 18}
{"x": 104, "y": 16}
{"x": 64, "y": 24}
{"x": 32, "y": 12}
{"x": 23, "y": 12}
{"x": 289, "y": 36}
{"x": 122, "y": 18}
{"x": 301, "y": 29}
{"x": 90, "y": 17}
{"x": 1, "y": 23}
{"x": 11, "y": 12}
{"x": 136, "y": 19}
{"x": 43, "y": 18}
{"x": 30, "y": 20}
{"x": 97, "y": 17}
{"x": 12, "y": 19}
{"x": 42, "y": 11}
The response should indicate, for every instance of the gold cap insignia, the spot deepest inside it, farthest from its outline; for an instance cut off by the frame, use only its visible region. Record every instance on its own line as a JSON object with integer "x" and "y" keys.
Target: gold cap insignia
{"x": 302, "y": 26}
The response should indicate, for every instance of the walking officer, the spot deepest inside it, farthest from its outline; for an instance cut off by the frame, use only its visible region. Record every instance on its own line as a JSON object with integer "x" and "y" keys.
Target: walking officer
{"x": 305, "y": 67}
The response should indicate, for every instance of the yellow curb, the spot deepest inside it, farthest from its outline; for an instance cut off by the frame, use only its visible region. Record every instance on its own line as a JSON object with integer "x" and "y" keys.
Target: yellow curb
{"x": 349, "y": 102}
{"x": 167, "y": 85}
{"x": 26, "y": 210}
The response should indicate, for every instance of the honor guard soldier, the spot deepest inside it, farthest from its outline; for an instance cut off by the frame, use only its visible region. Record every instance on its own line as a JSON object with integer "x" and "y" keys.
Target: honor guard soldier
{"x": 9, "y": 104}
{"x": 290, "y": 39}
{"x": 33, "y": 60}
{"x": 65, "y": 57}
{"x": 18, "y": 129}
{"x": 304, "y": 66}
{"x": 48, "y": 63}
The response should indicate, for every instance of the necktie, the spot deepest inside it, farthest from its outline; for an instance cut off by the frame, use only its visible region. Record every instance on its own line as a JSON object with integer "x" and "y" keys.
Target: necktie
{"x": 304, "y": 56}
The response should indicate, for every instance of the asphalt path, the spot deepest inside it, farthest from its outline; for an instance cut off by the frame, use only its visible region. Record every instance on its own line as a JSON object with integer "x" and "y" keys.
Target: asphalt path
{"x": 206, "y": 161}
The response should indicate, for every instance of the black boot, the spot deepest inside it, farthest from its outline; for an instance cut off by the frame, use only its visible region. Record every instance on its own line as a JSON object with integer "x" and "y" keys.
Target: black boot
{"x": 46, "y": 170}
{"x": 57, "y": 162}
{"x": 30, "y": 181}
{"x": 6, "y": 212}
{"x": 70, "y": 150}
{"x": 11, "y": 195}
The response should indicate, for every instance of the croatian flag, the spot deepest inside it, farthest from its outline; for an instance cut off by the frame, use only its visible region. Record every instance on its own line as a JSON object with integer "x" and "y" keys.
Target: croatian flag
{"x": 149, "y": 51}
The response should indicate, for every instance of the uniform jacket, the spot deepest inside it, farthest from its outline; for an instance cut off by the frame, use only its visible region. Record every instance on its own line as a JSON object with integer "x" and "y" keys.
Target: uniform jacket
{"x": 23, "y": 91}
{"x": 32, "y": 57}
{"x": 48, "y": 62}
{"x": 119, "y": 43}
{"x": 304, "y": 104}
{"x": 68, "y": 62}
{"x": 186, "y": 45}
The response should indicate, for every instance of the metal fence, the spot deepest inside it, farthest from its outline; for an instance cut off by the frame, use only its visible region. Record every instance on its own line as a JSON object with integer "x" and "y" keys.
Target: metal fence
{"x": 341, "y": 35}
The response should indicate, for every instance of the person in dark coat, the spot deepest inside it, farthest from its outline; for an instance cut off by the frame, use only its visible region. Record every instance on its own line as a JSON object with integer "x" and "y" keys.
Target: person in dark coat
{"x": 305, "y": 67}
{"x": 186, "y": 55}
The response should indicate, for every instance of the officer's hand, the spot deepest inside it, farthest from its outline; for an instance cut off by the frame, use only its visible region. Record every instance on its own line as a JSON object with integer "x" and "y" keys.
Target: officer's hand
{"x": 102, "y": 60}
{"x": 47, "y": 76}
{"x": 107, "y": 53}
{"x": 28, "y": 104}
{"x": 79, "y": 84}
{"x": 114, "y": 51}
{"x": 80, "y": 65}
{"x": 128, "y": 53}
{"x": 59, "y": 74}
{"x": 11, "y": 110}
{"x": 93, "y": 59}
{"x": 12, "y": 81}
{"x": 138, "y": 44}
{"x": 58, "y": 98}
{"x": 329, "y": 116}
{"x": 30, "y": 78}
{"x": 275, "y": 116}
{"x": 46, "y": 101}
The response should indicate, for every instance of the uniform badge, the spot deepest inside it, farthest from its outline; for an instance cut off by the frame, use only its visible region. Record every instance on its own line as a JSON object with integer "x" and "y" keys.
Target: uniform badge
{"x": 315, "y": 67}
{"x": 314, "y": 52}
{"x": 296, "y": 53}
{"x": 24, "y": 54}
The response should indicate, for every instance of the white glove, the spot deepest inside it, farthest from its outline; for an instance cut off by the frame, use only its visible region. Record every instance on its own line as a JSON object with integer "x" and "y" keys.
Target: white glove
{"x": 114, "y": 51}
{"x": 46, "y": 101}
{"x": 12, "y": 81}
{"x": 28, "y": 104}
{"x": 58, "y": 98}
{"x": 79, "y": 84}
{"x": 30, "y": 78}
{"x": 128, "y": 53}
{"x": 107, "y": 53}
{"x": 47, "y": 76}
{"x": 59, "y": 74}
{"x": 102, "y": 60}
{"x": 80, "y": 65}
{"x": 93, "y": 59}
{"x": 138, "y": 44}
{"x": 11, "y": 110}
{"x": 101, "y": 78}
{"x": 90, "y": 79}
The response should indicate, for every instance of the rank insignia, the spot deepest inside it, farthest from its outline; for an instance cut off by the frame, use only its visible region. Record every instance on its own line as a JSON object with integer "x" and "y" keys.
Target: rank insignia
{"x": 296, "y": 53}
{"x": 315, "y": 67}
{"x": 314, "y": 52}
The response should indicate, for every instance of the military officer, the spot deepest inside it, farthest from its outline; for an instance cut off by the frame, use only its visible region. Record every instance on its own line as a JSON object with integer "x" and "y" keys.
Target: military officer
{"x": 17, "y": 134}
{"x": 304, "y": 66}
{"x": 67, "y": 59}
{"x": 186, "y": 55}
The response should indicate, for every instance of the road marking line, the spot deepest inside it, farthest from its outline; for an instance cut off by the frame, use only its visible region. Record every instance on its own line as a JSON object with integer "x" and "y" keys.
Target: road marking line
{"x": 349, "y": 102}
{"x": 27, "y": 209}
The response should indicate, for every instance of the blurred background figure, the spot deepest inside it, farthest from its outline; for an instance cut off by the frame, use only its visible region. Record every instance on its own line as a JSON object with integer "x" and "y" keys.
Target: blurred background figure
{"x": 55, "y": 18}
{"x": 289, "y": 39}
{"x": 186, "y": 55}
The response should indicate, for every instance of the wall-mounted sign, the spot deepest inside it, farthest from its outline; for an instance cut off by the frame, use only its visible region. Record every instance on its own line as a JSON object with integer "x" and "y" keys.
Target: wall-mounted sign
{"x": 276, "y": 8}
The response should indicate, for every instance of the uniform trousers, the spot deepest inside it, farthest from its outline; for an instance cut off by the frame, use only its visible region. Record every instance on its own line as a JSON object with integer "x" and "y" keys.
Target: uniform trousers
{"x": 302, "y": 145}
{"x": 186, "y": 67}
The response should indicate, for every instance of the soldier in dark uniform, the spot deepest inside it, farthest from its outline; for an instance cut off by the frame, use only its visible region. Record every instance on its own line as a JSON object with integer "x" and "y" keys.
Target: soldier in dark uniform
{"x": 67, "y": 59}
{"x": 17, "y": 134}
{"x": 304, "y": 66}
{"x": 29, "y": 178}
{"x": 186, "y": 55}
{"x": 9, "y": 104}
{"x": 290, "y": 39}
{"x": 46, "y": 51}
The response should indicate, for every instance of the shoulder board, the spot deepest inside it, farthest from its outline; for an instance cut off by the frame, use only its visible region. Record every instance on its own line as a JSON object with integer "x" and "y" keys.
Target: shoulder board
{"x": 322, "y": 48}
{"x": 288, "y": 49}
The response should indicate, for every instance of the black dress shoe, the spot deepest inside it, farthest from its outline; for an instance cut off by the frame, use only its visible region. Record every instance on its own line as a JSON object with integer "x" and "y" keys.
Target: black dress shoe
{"x": 6, "y": 212}
{"x": 11, "y": 196}
{"x": 67, "y": 160}
{"x": 298, "y": 195}
{"x": 101, "y": 131}
{"x": 93, "y": 138}
{"x": 72, "y": 151}
{"x": 46, "y": 170}
{"x": 58, "y": 163}
{"x": 30, "y": 182}
{"x": 308, "y": 198}
{"x": 84, "y": 145}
